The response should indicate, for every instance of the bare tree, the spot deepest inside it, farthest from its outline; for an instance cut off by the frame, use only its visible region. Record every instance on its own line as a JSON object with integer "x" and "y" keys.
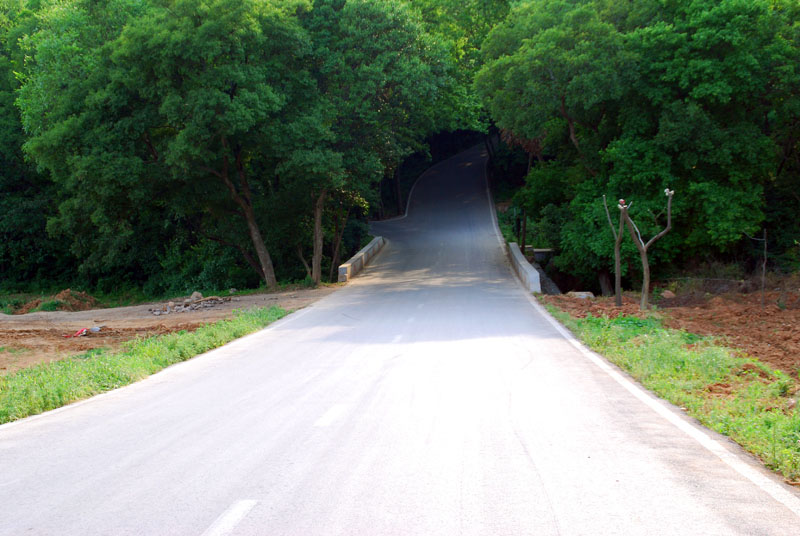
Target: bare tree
{"x": 617, "y": 244}
{"x": 642, "y": 246}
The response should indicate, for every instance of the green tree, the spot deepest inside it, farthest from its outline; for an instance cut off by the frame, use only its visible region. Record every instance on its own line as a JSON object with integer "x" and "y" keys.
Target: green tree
{"x": 26, "y": 197}
{"x": 629, "y": 101}
{"x": 462, "y": 26}
{"x": 179, "y": 112}
{"x": 110, "y": 209}
{"x": 380, "y": 74}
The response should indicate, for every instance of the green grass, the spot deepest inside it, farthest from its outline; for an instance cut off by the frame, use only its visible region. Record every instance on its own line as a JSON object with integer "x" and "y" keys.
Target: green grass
{"x": 12, "y": 350}
{"x": 50, "y": 305}
{"x": 10, "y": 302}
{"x": 52, "y": 385}
{"x": 738, "y": 397}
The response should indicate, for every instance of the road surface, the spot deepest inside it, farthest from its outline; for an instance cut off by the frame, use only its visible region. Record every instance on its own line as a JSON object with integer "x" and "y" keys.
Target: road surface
{"x": 428, "y": 397}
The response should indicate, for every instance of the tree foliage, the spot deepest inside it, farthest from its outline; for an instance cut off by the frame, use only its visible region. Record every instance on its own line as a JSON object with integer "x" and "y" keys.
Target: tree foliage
{"x": 165, "y": 126}
{"x": 629, "y": 99}
{"x": 171, "y": 143}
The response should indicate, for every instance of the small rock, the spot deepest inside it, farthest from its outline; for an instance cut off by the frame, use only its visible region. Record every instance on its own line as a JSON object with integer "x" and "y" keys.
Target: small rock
{"x": 187, "y": 301}
{"x": 196, "y": 296}
{"x": 171, "y": 304}
{"x": 668, "y": 294}
{"x": 582, "y": 295}
{"x": 232, "y": 291}
{"x": 157, "y": 313}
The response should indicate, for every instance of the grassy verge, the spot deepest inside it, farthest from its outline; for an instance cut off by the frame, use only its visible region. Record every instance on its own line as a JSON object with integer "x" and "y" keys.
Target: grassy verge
{"x": 52, "y": 385}
{"x": 738, "y": 397}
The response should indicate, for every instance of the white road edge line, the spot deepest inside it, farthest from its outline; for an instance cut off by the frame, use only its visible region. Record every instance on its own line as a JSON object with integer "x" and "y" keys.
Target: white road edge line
{"x": 774, "y": 489}
{"x": 734, "y": 461}
{"x": 331, "y": 416}
{"x": 158, "y": 375}
{"x": 231, "y": 517}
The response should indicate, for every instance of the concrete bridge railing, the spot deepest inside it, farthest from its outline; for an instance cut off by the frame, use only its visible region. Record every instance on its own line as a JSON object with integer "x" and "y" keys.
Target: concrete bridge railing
{"x": 357, "y": 263}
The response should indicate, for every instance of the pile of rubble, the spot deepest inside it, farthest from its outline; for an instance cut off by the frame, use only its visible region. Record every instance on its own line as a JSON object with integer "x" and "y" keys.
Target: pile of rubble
{"x": 193, "y": 303}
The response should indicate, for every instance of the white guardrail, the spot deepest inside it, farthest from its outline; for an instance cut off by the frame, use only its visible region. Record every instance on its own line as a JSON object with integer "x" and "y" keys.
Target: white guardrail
{"x": 527, "y": 273}
{"x": 351, "y": 268}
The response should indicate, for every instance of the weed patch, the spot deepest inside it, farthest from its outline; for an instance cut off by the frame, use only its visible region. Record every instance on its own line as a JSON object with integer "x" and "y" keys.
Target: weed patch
{"x": 50, "y": 305}
{"x": 736, "y": 396}
{"x": 52, "y": 385}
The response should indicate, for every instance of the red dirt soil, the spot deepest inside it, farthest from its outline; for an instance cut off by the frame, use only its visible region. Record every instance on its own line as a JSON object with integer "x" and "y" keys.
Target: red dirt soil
{"x": 68, "y": 300}
{"x": 30, "y": 339}
{"x": 770, "y": 334}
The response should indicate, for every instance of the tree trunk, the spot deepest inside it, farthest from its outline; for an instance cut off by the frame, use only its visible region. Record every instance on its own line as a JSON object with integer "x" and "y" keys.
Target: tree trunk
{"x": 246, "y": 254}
{"x": 524, "y": 232}
{"x": 264, "y": 259}
{"x": 645, "y": 303}
{"x": 303, "y": 260}
{"x": 643, "y": 247}
{"x": 618, "y": 268}
{"x": 617, "y": 254}
{"x": 643, "y": 254}
{"x": 398, "y": 194}
{"x": 489, "y": 149}
{"x": 316, "y": 259}
{"x": 381, "y": 209}
{"x": 243, "y": 197}
{"x": 337, "y": 247}
{"x": 618, "y": 263}
{"x": 604, "y": 278}
{"x": 530, "y": 164}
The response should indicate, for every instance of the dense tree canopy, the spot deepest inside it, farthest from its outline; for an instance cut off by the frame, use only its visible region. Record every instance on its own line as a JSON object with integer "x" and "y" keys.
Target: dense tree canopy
{"x": 176, "y": 125}
{"x": 627, "y": 99}
{"x": 175, "y": 143}
{"x": 26, "y": 197}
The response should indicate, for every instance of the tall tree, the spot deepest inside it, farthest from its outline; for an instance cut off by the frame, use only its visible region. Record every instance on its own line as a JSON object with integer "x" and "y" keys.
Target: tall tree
{"x": 180, "y": 112}
{"x": 100, "y": 213}
{"x": 637, "y": 98}
{"x": 26, "y": 197}
{"x": 383, "y": 91}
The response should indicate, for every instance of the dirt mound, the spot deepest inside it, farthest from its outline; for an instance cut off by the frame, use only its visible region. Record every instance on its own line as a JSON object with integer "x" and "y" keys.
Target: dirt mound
{"x": 28, "y": 307}
{"x": 66, "y": 300}
{"x": 75, "y": 301}
{"x": 581, "y": 308}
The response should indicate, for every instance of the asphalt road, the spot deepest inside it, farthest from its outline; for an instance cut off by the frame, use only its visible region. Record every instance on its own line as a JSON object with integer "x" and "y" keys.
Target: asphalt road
{"x": 428, "y": 397}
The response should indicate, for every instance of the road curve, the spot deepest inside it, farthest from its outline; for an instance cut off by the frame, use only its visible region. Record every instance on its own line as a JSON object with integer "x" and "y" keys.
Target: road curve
{"x": 428, "y": 397}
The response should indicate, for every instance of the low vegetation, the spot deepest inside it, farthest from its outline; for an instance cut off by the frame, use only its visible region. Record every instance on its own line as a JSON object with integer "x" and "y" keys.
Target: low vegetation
{"x": 736, "y": 396}
{"x": 52, "y": 385}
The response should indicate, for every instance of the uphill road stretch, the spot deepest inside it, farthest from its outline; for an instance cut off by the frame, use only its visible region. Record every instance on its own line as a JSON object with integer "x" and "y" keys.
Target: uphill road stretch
{"x": 428, "y": 397}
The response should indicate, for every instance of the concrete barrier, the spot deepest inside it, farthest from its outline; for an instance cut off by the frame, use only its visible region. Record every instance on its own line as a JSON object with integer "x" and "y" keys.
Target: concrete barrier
{"x": 527, "y": 273}
{"x": 351, "y": 268}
